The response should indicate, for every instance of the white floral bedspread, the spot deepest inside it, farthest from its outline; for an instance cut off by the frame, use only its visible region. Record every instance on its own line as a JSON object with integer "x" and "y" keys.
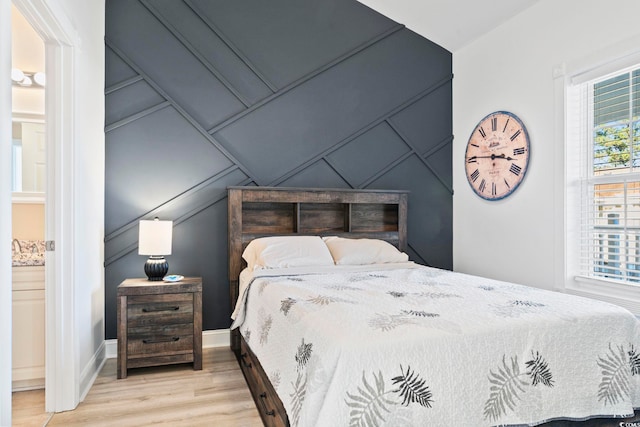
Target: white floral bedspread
{"x": 418, "y": 346}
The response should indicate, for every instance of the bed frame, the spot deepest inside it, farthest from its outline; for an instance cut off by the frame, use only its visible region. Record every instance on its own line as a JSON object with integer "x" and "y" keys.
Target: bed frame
{"x": 266, "y": 211}
{"x": 276, "y": 211}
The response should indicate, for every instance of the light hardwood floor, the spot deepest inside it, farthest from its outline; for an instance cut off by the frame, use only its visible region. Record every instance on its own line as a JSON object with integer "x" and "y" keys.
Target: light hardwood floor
{"x": 175, "y": 396}
{"x": 172, "y": 395}
{"x": 28, "y": 409}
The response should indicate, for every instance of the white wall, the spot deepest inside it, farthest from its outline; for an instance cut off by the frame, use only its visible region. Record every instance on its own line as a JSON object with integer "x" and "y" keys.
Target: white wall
{"x": 512, "y": 68}
{"x": 27, "y": 54}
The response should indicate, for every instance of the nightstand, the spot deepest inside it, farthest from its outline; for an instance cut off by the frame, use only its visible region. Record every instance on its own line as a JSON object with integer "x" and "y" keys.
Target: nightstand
{"x": 159, "y": 323}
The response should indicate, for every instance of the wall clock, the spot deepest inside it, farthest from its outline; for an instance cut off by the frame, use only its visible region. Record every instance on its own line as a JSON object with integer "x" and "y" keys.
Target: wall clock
{"x": 497, "y": 155}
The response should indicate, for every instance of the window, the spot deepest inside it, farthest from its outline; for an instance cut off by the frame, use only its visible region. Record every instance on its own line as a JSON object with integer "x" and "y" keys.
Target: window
{"x": 610, "y": 184}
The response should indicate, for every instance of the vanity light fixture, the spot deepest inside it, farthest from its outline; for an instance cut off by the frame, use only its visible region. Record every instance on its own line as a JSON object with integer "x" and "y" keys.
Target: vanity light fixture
{"x": 27, "y": 78}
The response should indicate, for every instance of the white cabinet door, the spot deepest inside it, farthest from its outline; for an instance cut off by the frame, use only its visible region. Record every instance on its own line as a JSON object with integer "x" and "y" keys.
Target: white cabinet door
{"x": 28, "y": 328}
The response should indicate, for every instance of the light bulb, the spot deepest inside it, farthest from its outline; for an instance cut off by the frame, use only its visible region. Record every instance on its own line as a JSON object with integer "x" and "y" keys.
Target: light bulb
{"x": 17, "y": 75}
{"x": 39, "y": 78}
{"x": 26, "y": 81}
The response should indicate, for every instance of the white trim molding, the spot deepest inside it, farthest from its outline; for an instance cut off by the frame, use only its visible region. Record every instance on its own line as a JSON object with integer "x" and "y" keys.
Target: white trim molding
{"x": 92, "y": 370}
{"x": 216, "y": 338}
{"x": 5, "y": 211}
{"x": 567, "y": 78}
{"x": 62, "y": 356}
{"x": 622, "y": 294}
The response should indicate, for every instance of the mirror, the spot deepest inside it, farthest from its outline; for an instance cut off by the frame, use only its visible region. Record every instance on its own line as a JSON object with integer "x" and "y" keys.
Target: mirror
{"x": 28, "y": 154}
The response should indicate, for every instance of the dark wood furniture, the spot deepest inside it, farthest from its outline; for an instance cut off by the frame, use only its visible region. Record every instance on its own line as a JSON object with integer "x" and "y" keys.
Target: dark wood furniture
{"x": 266, "y": 211}
{"x": 159, "y": 323}
{"x": 262, "y": 211}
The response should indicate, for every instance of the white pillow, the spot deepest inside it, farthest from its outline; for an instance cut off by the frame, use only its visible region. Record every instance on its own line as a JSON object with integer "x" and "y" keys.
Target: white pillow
{"x": 363, "y": 251}
{"x": 286, "y": 251}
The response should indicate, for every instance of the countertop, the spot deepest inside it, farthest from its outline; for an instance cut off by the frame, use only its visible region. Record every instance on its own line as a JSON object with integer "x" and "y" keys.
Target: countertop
{"x": 27, "y": 253}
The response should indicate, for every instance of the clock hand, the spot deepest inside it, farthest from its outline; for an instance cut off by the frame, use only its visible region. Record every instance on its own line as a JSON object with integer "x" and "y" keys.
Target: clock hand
{"x": 492, "y": 157}
{"x": 502, "y": 156}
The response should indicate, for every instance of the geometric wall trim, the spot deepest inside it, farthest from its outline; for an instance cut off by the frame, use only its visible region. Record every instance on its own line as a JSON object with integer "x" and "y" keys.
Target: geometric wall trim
{"x": 203, "y": 95}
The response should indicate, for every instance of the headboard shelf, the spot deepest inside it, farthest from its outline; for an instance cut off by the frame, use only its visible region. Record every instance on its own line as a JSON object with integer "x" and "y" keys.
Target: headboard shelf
{"x": 388, "y": 236}
{"x": 318, "y": 195}
{"x": 278, "y": 211}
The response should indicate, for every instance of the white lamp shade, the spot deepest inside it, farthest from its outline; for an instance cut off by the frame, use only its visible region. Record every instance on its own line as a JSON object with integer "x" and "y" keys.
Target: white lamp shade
{"x": 155, "y": 237}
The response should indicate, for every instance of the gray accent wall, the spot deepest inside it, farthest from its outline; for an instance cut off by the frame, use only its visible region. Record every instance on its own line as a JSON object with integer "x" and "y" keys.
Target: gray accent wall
{"x": 204, "y": 94}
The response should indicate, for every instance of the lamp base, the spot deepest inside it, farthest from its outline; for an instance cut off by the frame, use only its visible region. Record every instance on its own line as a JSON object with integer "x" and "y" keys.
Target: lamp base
{"x": 156, "y": 268}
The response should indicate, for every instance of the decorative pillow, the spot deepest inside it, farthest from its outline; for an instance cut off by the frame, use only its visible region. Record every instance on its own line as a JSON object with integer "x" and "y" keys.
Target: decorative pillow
{"x": 286, "y": 251}
{"x": 363, "y": 251}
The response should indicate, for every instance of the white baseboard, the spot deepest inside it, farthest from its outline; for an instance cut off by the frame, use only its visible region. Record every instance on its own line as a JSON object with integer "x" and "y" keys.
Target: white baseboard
{"x": 216, "y": 338}
{"x": 210, "y": 339}
{"x": 91, "y": 371}
{"x": 25, "y": 385}
{"x": 111, "y": 347}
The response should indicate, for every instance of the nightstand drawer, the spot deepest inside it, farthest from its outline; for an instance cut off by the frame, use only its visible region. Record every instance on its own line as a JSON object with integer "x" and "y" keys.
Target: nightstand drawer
{"x": 167, "y": 309}
{"x": 166, "y": 340}
{"x": 160, "y": 333}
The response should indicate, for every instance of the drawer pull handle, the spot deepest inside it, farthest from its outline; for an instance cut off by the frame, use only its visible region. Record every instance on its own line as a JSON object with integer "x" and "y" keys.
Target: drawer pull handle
{"x": 154, "y": 309}
{"x": 263, "y": 396}
{"x": 172, "y": 339}
{"x": 244, "y": 362}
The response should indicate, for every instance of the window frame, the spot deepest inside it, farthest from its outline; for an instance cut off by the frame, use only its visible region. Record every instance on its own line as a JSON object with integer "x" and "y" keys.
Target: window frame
{"x": 568, "y": 78}
{"x": 615, "y": 244}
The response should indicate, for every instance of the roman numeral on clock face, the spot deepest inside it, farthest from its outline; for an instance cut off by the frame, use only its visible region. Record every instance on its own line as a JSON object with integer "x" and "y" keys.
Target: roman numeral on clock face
{"x": 494, "y": 190}
{"x": 515, "y": 169}
{"x": 515, "y": 135}
{"x": 494, "y": 124}
{"x": 505, "y": 125}
{"x": 483, "y": 185}
{"x": 482, "y": 132}
{"x": 475, "y": 175}
{"x": 518, "y": 151}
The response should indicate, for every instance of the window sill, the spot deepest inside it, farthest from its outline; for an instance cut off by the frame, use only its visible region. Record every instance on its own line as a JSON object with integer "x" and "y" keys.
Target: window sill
{"x": 619, "y": 293}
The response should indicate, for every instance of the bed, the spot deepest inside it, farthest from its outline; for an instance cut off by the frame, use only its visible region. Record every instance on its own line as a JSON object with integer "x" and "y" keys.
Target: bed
{"x": 395, "y": 343}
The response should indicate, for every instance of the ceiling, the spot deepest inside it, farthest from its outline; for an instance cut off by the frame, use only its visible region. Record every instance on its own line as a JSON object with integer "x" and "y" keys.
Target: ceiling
{"x": 450, "y": 23}
{"x": 440, "y": 21}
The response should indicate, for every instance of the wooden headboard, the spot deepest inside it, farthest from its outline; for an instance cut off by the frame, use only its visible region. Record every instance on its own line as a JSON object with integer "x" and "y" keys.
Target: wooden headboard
{"x": 277, "y": 211}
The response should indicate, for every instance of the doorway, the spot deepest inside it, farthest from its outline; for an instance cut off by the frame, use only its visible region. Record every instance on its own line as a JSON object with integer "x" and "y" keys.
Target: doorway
{"x": 28, "y": 156}
{"x": 61, "y": 390}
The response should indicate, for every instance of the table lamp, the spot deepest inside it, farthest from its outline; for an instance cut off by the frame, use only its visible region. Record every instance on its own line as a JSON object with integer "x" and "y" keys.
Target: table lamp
{"x": 154, "y": 240}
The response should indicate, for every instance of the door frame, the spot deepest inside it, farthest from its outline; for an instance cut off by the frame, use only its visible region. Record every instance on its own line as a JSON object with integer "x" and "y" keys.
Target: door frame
{"x": 5, "y": 211}
{"x": 61, "y": 358}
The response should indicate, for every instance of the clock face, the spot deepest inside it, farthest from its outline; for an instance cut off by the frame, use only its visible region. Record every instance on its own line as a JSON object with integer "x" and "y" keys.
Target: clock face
{"x": 497, "y": 155}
